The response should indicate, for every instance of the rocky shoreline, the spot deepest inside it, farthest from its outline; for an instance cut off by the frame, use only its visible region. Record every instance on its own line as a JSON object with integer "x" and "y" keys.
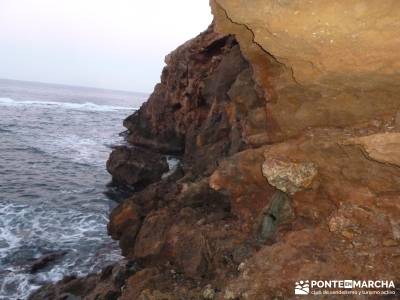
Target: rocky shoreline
{"x": 289, "y": 164}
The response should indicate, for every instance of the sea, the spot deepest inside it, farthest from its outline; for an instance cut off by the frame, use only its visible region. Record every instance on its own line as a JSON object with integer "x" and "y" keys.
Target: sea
{"x": 54, "y": 144}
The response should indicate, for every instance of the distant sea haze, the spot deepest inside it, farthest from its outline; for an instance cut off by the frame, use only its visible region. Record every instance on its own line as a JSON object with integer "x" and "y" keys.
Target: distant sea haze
{"x": 47, "y": 92}
{"x": 54, "y": 143}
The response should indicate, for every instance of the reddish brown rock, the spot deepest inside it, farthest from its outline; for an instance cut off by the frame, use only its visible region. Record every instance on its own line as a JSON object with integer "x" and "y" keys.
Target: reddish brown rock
{"x": 133, "y": 166}
{"x": 126, "y": 215}
{"x": 198, "y": 110}
{"x": 124, "y": 224}
{"x": 138, "y": 282}
{"x": 241, "y": 177}
{"x": 152, "y": 235}
{"x": 189, "y": 250}
{"x": 106, "y": 285}
{"x": 289, "y": 152}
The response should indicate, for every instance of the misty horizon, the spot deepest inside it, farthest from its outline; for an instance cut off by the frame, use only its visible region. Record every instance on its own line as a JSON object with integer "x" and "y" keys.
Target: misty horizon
{"x": 99, "y": 44}
{"x": 55, "y": 84}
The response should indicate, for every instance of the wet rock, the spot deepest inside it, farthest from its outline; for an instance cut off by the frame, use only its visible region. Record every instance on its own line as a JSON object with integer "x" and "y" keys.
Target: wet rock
{"x": 65, "y": 289}
{"x": 45, "y": 260}
{"x": 135, "y": 166}
{"x": 106, "y": 285}
{"x": 106, "y": 272}
{"x": 68, "y": 296}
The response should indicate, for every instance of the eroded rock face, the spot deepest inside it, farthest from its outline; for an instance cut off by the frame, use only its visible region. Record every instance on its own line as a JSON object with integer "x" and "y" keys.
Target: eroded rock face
{"x": 285, "y": 119}
{"x": 206, "y": 106}
{"x": 205, "y": 109}
{"x": 329, "y": 63}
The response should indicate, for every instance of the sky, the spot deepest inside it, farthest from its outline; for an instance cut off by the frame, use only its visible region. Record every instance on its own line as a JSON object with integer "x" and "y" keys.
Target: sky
{"x": 113, "y": 44}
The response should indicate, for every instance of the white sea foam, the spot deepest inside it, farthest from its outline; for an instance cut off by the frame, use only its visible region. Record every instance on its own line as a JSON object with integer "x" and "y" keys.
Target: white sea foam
{"x": 173, "y": 164}
{"x": 52, "y": 197}
{"x": 87, "y": 106}
{"x": 75, "y": 148}
{"x": 23, "y": 227}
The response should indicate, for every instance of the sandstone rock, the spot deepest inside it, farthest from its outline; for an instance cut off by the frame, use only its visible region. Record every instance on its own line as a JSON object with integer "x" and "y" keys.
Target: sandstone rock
{"x": 383, "y": 147}
{"x": 319, "y": 63}
{"x": 289, "y": 177}
{"x": 135, "y": 166}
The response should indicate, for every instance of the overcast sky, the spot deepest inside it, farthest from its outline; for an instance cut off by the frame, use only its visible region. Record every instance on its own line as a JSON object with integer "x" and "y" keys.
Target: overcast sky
{"x": 116, "y": 44}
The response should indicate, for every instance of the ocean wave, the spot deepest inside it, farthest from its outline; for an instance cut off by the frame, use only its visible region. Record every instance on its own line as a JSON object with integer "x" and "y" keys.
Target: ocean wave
{"x": 29, "y": 231}
{"x": 87, "y": 106}
{"x": 5, "y": 130}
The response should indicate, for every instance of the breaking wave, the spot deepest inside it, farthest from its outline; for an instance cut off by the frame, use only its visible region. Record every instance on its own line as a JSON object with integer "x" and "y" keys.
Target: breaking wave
{"x": 53, "y": 184}
{"x": 87, "y": 106}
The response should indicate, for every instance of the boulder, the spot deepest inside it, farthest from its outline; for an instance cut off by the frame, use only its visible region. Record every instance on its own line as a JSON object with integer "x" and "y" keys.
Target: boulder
{"x": 152, "y": 235}
{"x": 132, "y": 166}
{"x": 45, "y": 260}
{"x": 289, "y": 177}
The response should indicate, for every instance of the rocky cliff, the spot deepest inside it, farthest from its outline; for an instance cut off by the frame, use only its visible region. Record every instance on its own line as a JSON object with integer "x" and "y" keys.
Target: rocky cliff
{"x": 285, "y": 118}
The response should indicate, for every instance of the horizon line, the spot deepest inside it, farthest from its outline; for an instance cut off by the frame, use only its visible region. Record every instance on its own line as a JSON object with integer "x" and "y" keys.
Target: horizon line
{"x": 75, "y": 86}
